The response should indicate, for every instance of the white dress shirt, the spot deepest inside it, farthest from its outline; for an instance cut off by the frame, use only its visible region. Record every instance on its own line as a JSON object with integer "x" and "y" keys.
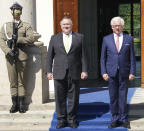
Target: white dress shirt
{"x": 69, "y": 39}
{"x": 17, "y": 21}
{"x": 120, "y": 39}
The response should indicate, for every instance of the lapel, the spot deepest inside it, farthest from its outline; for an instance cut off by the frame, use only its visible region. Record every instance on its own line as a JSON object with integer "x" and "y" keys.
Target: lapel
{"x": 73, "y": 42}
{"x": 124, "y": 41}
{"x": 60, "y": 39}
{"x": 113, "y": 43}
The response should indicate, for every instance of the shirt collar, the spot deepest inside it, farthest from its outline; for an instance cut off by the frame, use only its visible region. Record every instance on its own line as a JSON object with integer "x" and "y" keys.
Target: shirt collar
{"x": 68, "y": 34}
{"x": 17, "y": 21}
{"x": 115, "y": 35}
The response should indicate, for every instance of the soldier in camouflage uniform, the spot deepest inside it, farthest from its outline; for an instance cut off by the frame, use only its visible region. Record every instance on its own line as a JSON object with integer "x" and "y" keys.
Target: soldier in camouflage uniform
{"x": 16, "y": 59}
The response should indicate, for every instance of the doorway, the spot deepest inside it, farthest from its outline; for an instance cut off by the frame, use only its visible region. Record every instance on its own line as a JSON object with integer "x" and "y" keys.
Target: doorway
{"x": 94, "y": 22}
{"x": 92, "y": 18}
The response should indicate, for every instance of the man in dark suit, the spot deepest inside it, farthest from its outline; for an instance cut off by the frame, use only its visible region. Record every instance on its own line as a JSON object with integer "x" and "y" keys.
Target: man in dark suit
{"x": 117, "y": 67}
{"x": 69, "y": 65}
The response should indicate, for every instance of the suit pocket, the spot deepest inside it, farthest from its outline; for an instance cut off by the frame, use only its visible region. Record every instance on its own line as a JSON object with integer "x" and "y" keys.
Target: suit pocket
{"x": 127, "y": 44}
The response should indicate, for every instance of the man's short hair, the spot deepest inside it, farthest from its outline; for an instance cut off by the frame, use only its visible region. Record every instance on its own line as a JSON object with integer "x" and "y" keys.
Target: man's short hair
{"x": 115, "y": 19}
{"x": 66, "y": 17}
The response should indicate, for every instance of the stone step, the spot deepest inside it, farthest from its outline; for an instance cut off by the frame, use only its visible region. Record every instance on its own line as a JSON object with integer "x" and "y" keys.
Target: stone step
{"x": 137, "y": 124}
{"x": 137, "y": 121}
{"x": 43, "y": 124}
{"x": 134, "y": 112}
{"x": 52, "y": 106}
{"x": 136, "y": 106}
{"x": 27, "y": 115}
{"x": 33, "y": 107}
{"x": 45, "y": 128}
{"x": 37, "y": 118}
{"x": 23, "y": 128}
{"x": 25, "y": 122}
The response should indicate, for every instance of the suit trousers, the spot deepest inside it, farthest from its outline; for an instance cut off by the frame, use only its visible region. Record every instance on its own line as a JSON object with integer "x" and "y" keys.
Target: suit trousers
{"x": 118, "y": 89}
{"x": 67, "y": 98}
{"x": 16, "y": 76}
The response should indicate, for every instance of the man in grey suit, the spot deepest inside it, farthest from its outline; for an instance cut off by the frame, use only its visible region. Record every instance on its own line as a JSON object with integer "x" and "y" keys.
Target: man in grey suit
{"x": 69, "y": 66}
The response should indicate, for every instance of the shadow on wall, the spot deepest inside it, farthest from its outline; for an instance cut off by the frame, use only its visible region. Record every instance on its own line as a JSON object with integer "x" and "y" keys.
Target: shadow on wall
{"x": 36, "y": 83}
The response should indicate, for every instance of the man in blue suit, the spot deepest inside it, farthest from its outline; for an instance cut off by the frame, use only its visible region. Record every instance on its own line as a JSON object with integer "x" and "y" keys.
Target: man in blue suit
{"x": 118, "y": 65}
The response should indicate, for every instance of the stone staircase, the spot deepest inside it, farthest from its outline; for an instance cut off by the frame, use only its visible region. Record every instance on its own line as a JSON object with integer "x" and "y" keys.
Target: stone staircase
{"x": 136, "y": 117}
{"x": 136, "y": 114}
{"x": 37, "y": 118}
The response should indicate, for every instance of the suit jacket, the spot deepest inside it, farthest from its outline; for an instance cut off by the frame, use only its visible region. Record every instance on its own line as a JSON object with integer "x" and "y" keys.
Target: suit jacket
{"x": 111, "y": 59}
{"x": 25, "y": 37}
{"x": 75, "y": 60}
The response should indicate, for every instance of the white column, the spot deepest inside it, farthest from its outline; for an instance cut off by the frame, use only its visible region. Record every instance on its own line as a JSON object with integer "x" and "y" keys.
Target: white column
{"x": 29, "y": 11}
{"x": 44, "y": 11}
{"x": 5, "y": 12}
{"x": 45, "y": 25}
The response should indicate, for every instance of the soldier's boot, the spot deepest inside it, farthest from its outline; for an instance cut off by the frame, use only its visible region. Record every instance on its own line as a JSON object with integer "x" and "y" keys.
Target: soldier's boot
{"x": 15, "y": 106}
{"x": 22, "y": 107}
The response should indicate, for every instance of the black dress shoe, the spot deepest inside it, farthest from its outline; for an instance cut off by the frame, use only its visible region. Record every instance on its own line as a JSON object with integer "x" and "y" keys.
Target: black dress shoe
{"x": 61, "y": 125}
{"x": 113, "y": 125}
{"x": 73, "y": 125}
{"x": 126, "y": 125}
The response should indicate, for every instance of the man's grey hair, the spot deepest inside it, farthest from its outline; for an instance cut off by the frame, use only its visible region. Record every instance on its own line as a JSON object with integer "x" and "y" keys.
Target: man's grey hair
{"x": 115, "y": 19}
{"x": 68, "y": 18}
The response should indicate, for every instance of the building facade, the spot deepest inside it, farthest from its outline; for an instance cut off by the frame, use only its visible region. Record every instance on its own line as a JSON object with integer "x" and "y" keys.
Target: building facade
{"x": 90, "y": 17}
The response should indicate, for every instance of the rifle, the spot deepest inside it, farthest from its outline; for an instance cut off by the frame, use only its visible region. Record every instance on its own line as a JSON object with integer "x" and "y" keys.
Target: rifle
{"x": 12, "y": 43}
{"x": 14, "y": 38}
